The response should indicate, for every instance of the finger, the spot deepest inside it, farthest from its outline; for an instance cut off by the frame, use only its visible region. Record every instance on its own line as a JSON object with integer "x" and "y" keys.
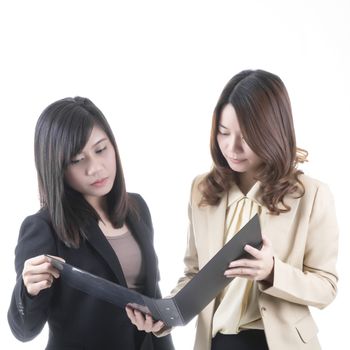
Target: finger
{"x": 37, "y": 260}
{"x": 243, "y": 263}
{"x": 256, "y": 253}
{"x": 266, "y": 241}
{"x": 241, "y": 272}
{"x": 38, "y": 278}
{"x": 151, "y": 325}
{"x": 55, "y": 257}
{"x": 140, "y": 320}
{"x": 44, "y": 262}
{"x": 158, "y": 326}
{"x": 130, "y": 313}
{"x": 233, "y": 272}
{"x": 56, "y": 271}
{"x": 45, "y": 267}
{"x": 148, "y": 323}
{"x": 34, "y": 288}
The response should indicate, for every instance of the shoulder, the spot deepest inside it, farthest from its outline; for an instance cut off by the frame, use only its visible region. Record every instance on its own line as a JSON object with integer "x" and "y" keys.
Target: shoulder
{"x": 317, "y": 197}
{"x": 314, "y": 187}
{"x": 36, "y": 227}
{"x": 136, "y": 201}
{"x": 36, "y": 237}
{"x": 40, "y": 218}
{"x": 319, "y": 204}
{"x": 198, "y": 179}
{"x": 138, "y": 207}
{"x": 196, "y": 194}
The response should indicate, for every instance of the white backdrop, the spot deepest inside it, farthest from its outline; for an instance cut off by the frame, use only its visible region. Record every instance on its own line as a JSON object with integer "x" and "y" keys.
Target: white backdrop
{"x": 156, "y": 68}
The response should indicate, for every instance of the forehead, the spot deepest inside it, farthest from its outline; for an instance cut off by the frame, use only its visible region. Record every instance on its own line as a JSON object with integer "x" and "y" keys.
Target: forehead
{"x": 97, "y": 134}
{"x": 228, "y": 118}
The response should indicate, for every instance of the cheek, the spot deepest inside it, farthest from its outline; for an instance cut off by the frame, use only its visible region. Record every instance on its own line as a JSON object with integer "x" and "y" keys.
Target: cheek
{"x": 221, "y": 143}
{"x": 253, "y": 157}
{"x": 72, "y": 179}
{"x": 112, "y": 162}
{"x": 255, "y": 160}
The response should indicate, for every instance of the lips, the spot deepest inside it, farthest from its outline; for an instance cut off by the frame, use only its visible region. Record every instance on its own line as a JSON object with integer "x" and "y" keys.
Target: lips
{"x": 100, "y": 182}
{"x": 236, "y": 161}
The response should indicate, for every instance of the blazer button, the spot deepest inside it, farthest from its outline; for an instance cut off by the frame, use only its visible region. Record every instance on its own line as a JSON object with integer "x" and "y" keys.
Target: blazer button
{"x": 262, "y": 310}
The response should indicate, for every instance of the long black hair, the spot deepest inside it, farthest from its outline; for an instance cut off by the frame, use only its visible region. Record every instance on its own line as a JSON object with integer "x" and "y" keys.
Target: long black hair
{"x": 61, "y": 132}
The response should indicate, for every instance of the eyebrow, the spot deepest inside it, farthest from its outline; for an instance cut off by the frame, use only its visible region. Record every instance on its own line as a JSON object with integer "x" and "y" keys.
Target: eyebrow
{"x": 99, "y": 141}
{"x": 94, "y": 145}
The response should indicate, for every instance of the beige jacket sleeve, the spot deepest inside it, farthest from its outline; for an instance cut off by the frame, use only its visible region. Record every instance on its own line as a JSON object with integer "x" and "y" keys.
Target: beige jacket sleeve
{"x": 316, "y": 283}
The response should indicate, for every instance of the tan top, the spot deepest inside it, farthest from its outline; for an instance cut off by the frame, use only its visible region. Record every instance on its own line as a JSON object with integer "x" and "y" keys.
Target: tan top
{"x": 237, "y": 306}
{"x": 130, "y": 258}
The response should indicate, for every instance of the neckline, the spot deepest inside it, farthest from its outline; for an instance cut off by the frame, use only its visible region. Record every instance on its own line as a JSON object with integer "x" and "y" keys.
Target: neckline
{"x": 121, "y": 235}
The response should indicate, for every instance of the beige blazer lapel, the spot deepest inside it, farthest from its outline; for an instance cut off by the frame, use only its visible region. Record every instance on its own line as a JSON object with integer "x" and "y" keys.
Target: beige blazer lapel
{"x": 277, "y": 227}
{"x": 216, "y": 216}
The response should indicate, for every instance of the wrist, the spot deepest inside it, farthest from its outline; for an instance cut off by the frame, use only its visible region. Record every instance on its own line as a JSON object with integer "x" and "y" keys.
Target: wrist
{"x": 270, "y": 277}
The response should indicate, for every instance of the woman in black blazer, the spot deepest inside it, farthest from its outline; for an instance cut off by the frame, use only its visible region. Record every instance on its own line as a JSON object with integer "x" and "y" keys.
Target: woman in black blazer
{"x": 89, "y": 220}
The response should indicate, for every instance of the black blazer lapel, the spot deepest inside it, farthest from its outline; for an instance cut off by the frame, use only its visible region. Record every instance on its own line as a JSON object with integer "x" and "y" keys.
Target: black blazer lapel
{"x": 144, "y": 237}
{"x": 99, "y": 242}
{"x": 142, "y": 231}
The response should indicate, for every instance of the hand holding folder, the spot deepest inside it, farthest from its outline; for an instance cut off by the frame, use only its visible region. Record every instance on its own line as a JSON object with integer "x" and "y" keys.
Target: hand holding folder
{"x": 189, "y": 301}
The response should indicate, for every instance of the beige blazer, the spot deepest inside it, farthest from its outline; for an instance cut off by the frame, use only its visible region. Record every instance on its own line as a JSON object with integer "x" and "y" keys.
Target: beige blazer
{"x": 305, "y": 242}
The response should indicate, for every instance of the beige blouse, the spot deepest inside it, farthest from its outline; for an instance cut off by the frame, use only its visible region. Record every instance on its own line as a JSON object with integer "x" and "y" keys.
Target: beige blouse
{"x": 130, "y": 258}
{"x": 237, "y": 306}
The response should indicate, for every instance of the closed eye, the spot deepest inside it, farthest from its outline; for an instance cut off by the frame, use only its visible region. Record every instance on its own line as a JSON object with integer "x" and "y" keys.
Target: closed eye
{"x": 101, "y": 149}
{"x": 225, "y": 133}
{"x": 76, "y": 161}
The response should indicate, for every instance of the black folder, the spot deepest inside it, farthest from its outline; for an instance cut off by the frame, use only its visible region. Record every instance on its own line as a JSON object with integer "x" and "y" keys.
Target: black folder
{"x": 189, "y": 301}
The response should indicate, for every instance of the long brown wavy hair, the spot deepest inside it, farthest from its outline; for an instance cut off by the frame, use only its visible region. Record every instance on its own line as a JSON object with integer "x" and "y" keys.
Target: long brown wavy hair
{"x": 264, "y": 113}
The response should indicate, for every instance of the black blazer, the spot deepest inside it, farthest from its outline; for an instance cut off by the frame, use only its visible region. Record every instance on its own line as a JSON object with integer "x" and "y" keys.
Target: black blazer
{"x": 76, "y": 320}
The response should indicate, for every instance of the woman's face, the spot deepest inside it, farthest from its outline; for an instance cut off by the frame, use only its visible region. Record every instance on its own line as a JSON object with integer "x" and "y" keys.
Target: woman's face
{"x": 93, "y": 170}
{"x": 233, "y": 147}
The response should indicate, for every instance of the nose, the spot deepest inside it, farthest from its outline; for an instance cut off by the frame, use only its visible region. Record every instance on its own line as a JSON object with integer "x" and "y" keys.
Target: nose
{"x": 235, "y": 144}
{"x": 93, "y": 167}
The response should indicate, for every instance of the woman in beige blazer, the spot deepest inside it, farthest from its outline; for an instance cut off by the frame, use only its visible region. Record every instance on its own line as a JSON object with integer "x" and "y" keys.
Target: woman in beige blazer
{"x": 253, "y": 147}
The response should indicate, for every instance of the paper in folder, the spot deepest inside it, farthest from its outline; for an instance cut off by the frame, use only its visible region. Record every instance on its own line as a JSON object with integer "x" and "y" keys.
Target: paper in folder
{"x": 189, "y": 301}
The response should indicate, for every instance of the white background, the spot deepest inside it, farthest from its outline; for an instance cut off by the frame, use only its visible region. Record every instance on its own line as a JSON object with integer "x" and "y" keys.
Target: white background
{"x": 156, "y": 69}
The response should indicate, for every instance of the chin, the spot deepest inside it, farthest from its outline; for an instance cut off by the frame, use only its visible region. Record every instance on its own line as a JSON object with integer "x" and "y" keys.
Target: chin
{"x": 101, "y": 193}
{"x": 238, "y": 169}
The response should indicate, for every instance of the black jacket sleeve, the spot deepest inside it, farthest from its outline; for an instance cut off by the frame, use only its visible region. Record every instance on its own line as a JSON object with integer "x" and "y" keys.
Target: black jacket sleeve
{"x": 27, "y": 315}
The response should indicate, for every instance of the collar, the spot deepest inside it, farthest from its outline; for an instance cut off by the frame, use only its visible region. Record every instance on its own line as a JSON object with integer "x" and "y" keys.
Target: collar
{"x": 235, "y": 194}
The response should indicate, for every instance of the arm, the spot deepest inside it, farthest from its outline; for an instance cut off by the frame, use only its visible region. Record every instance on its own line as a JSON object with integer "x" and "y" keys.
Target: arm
{"x": 28, "y": 313}
{"x": 316, "y": 283}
